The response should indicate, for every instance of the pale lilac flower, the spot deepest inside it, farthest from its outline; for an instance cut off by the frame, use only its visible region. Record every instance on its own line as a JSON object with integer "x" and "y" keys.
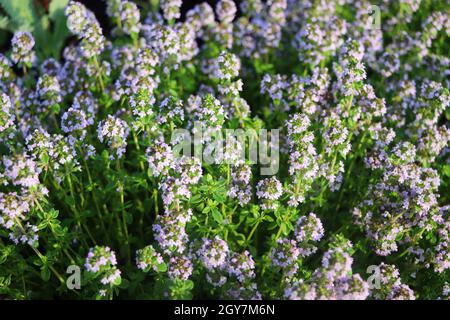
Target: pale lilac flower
{"x": 213, "y": 253}
{"x": 114, "y": 131}
{"x": 269, "y": 191}
{"x": 22, "y": 48}
{"x": 180, "y": 267}
{"x": 226, "y": 11}
{"x": 171, "y": 9}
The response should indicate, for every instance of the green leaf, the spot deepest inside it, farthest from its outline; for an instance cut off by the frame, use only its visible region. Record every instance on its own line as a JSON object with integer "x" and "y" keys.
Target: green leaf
{"x": 118, "y": 281}
{"x": 188, "y": 285}
{"x": 219, "y": 197}
{"x": 162, "y": 267}
{"x": 206, "y": 209}
{"x": 58, "y": 230}
{"x": 53, "y": 213}
{"x": 43, "y": 225}
{"x": 45, "y": 273}
{"x": 70, "y": 200}
{"x": 21, "y": 12}
{"x": 445, "y": 169}
{"x": 60, "y": 30}
{"x": 124, "y": 284}
{"x": 240, "y": 239}
{"x": 56, "y": 108}
{"x": 105, "y": 155}
{"x": 45, "y": 158}
{"x": 283, "y": 228}
{"x": 217, "y": 216}
{"x": 56, "y": 8}
{"x": 4, "y": 22}
{"x": 196, "y": 199}
{"x": 5, "y": 253}
{"x": 128, "y": 217}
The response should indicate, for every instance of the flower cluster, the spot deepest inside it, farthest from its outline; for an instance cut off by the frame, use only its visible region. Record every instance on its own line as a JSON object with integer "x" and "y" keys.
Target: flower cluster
{"x": 401, "y": 204}
{"x": 148, "y": 258}
{"x": 288, "y": 252}
{"x": 240, "y": 188}
{"x": 390, "y": 286}
{"x": 333, "y": 279}
{"x": 102, "y": 262}
{"x": 303, "y": 162}
{"x": 279, "y": 149}
{"x": 22, "y": 48}
{"x": 231, "y": 271}
{"x": 7, "y": 116}
{"x": 84, "y": 25}
{"x": 269, "y": 191}
{"x": 114, "y": 132}
{"x": 171, "y": 9}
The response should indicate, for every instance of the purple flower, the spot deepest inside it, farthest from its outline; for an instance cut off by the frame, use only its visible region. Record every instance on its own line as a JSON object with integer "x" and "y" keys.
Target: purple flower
{"x": 213, "y": 253}
{"x": 114, "y": 131}
{"x": 22, "y": 48}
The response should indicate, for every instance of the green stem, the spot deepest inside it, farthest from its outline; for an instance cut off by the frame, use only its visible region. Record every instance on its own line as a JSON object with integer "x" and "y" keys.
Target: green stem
{"x": 138, "y": 149}
{"x": 40, "y": 255}
{"x": 99, "y": 77}
{"x": 97, "y": 207}
{"x": 253, "y": 230}
{"x": 278, "y": 233}
{"x": 72, "y": 260}
{"x": 155, "y": 200}
{"x": 77, "y": 214}
{"x": 124, "y": 222}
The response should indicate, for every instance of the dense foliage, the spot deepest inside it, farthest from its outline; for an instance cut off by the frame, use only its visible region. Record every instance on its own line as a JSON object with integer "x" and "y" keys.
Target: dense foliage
{"x": 90, "y": 176}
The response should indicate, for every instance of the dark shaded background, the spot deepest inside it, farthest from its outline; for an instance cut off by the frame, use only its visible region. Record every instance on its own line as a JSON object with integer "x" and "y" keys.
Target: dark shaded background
{"x": 99, "y": 8}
